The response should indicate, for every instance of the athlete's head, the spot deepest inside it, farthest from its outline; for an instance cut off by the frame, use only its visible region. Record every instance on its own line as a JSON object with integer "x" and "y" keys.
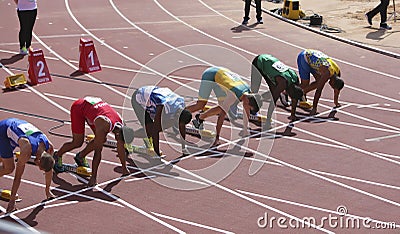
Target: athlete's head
{"x": 46, "y": 162}
{"x": 185, "y": 116}
{"x": 295, "y": 92}
{"x": 336, "y": 82}
{"x": 255, "y": 101}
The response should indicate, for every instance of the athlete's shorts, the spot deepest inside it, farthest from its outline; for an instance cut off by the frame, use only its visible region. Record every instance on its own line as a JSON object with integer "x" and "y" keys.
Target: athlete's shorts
{"x": 208, "y": 84}
{"x": 6, "y": 150}
{"x": 304, "y": 69}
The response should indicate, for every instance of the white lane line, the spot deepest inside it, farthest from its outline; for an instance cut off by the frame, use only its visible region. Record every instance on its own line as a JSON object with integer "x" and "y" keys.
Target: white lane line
{"x": 309, "y": 206}
{"x": 388, "y": 155}
{"x": 140, "y": 178}
{"x": 191, "y": 223}
{"x": 40, "y": 94}
{"x": 61, "y": 204}
{"x": 309, "y": 172}
{"x": 66, "y": 191}
{"x": 20, "y": 221}
{"x": 131, "y": 206}
{"x": 367, "y": 105}
{"x": 62, "y": 36}
{"x": 60, "y": 107}
{"x": 382, "y": 137}
{"x": 312, "y": 142}
{"x": 357, "y": 180}
{"x": 385, "y": 109}
{"x": 245, "y": 158}
{"x": 148, "y": 170}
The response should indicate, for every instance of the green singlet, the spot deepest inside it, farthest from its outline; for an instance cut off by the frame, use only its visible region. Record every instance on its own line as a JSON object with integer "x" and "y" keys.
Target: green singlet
{"x": 270, "y": 67}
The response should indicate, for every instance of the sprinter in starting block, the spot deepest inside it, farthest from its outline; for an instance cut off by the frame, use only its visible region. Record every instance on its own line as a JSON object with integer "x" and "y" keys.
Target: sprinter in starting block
{"x": 31, "y": 141}
{"x": 280, "y": 78}
{"x": 160, "y": 108}
{"x": 230, "y": 89}
{"x": 102, "y": 119}
{"x": 324, "y": 70}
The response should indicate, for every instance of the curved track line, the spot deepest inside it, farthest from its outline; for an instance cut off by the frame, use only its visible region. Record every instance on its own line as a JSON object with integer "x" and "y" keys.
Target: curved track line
{"x": 312, "y": 173}
{"x": 198, "y": 31}
{"x": 158, "y": 73}
{"x": 135, "y": 208}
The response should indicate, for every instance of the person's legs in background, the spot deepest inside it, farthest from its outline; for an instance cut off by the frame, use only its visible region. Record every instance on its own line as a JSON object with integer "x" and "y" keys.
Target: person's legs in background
{"x": 246, "y": 12}
{"x": 382, "y": 9}
{"x": 259, "y": 12}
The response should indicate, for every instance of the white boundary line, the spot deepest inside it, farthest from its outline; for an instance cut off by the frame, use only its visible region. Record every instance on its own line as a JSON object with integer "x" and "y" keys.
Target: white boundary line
{"x": 355, "y": 179}
{"x": 131, "y": 206}
{"x": 191, "y": 223}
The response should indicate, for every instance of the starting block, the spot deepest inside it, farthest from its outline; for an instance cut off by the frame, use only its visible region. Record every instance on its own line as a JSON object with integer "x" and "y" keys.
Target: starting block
{"x": 305, "y": 105}
{"x": 257, "y": 117}
{"x": 129, "y": 147}
{"x": 201, "y": 133}
{"x": 14, "y": 81}
{"x": 83, "y": 171}
{"x": 6, "y": 195}
{"x": 141, "y": 150}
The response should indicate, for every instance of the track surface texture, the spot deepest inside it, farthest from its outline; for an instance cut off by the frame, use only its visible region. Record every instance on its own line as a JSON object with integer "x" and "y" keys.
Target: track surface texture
{"x": 332, "y": 175}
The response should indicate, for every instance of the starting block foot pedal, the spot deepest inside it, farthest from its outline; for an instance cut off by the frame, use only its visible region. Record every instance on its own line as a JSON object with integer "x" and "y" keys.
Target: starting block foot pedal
{"x": 14, "y": 81}
{"x": 82, "y": 171}
{"x": 200, "y": 132}
{"x": 143, "y": 150}
{"x": 6, "y": 195}
{"x": 305, "y": 105}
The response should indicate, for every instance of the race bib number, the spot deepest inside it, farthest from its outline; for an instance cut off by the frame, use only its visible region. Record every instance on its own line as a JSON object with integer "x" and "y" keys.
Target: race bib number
{"x": 93, "y": 100}
{"x": 28, "y": 129}
{"x": 280, "y": 67}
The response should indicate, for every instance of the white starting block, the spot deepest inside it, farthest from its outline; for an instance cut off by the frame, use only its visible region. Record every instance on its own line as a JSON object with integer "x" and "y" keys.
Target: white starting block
{"x": 6, "y": 195}
{"x": 200, "y": 132}
{"x": 239, "y": 115}
{"x": 83, "y": 171}
{"x": 129, "y": 147}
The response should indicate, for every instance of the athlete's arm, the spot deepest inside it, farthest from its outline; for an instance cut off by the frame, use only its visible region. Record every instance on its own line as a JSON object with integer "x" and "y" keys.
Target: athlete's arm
{"x": 157, "y": 129}
{"x": 26, "y": 151}
{"x": 325, "y": 74}
{"x": 100, "y": 136}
